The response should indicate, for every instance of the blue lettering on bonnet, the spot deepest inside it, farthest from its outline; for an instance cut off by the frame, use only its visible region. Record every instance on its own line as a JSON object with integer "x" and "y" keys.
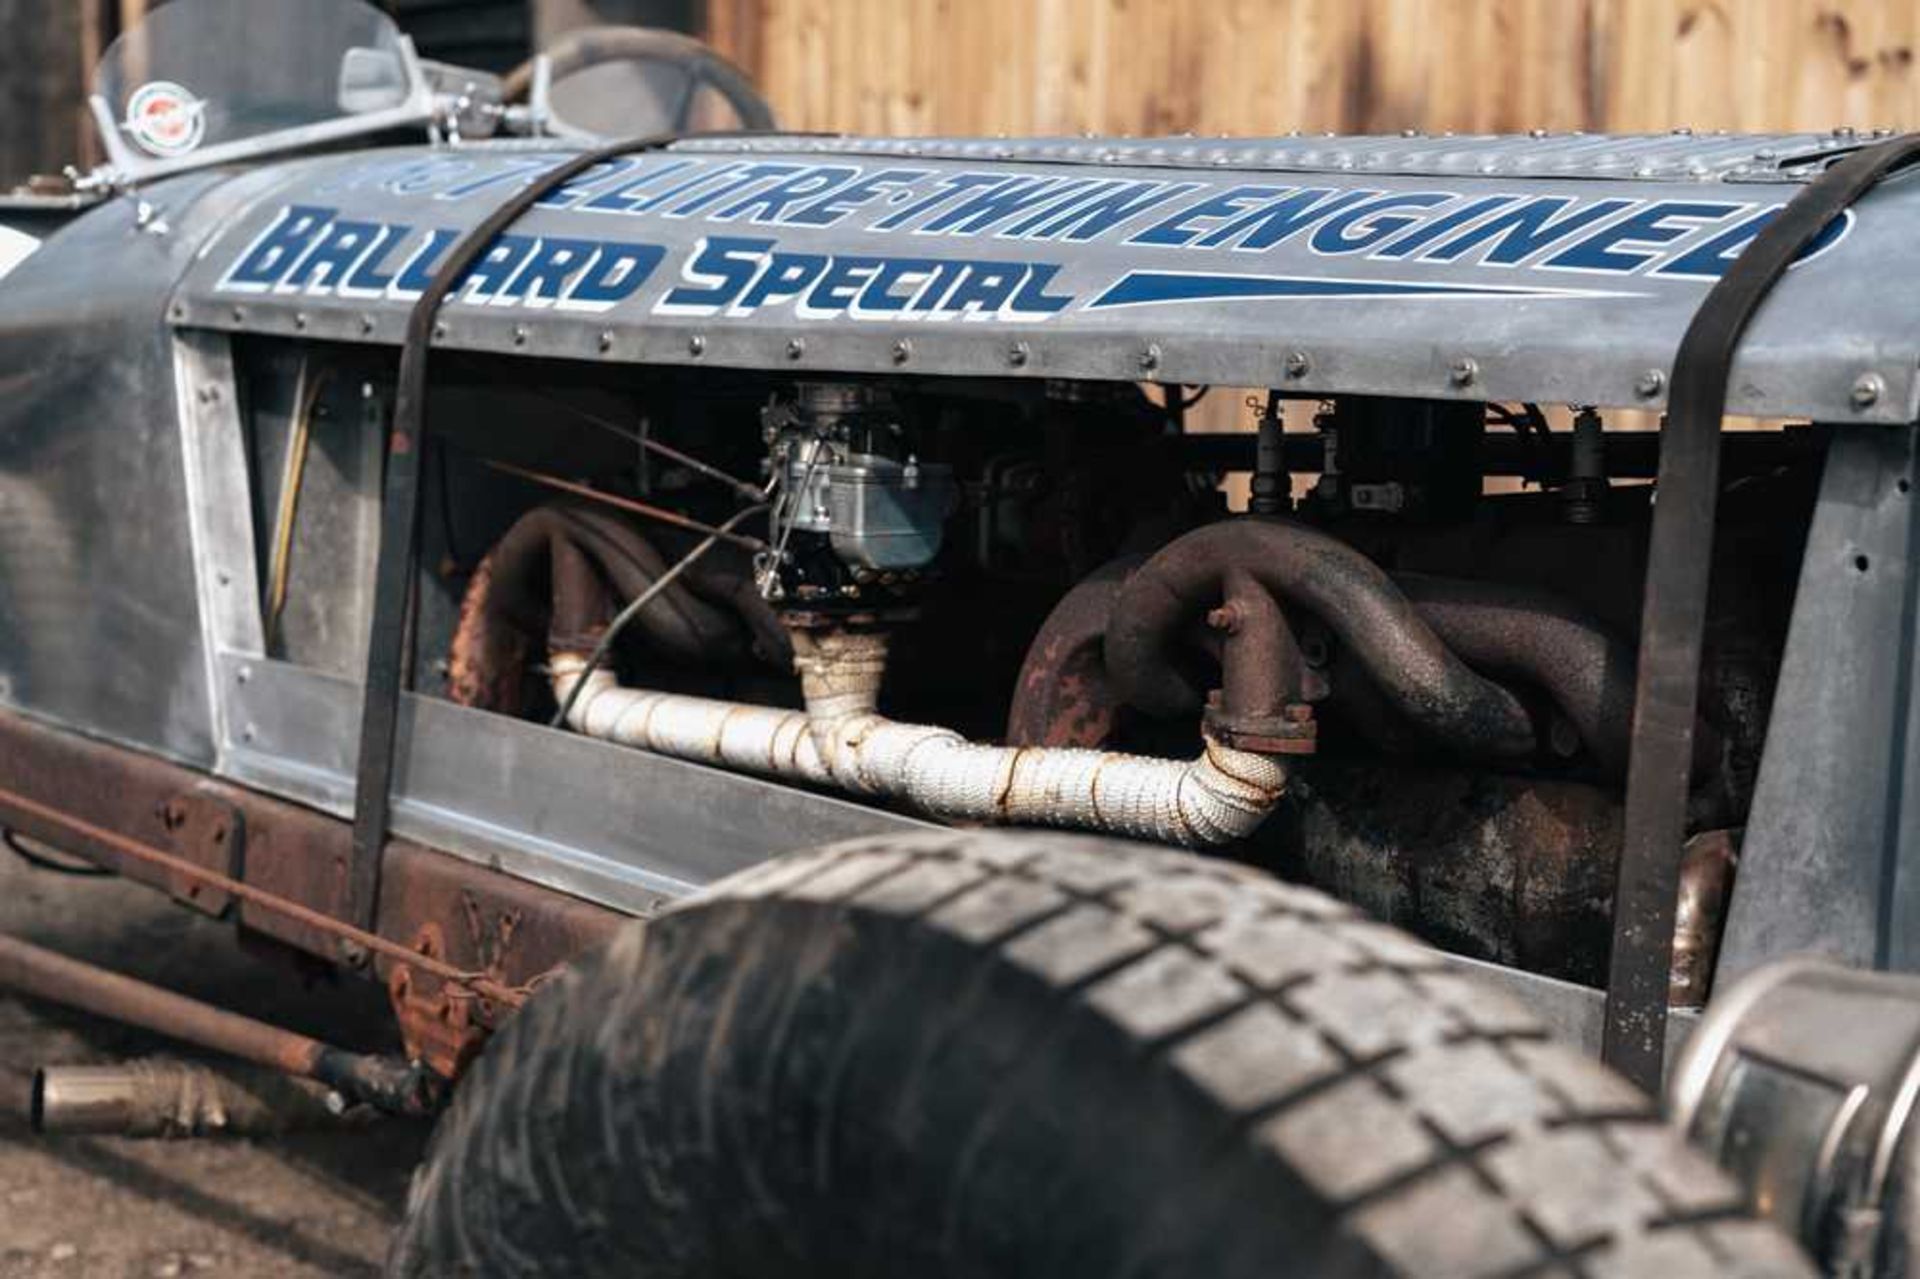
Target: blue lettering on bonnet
{"x": 1607, "y": 234}
{"x": 308, "y": 249}
{"x": 273, "y": 253}
{"x": 311, "y": 250}
{"x": 735, "y": 276}
{"x": 1145, "y": 288}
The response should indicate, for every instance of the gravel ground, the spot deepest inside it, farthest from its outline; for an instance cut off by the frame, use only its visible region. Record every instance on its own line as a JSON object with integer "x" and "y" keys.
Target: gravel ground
{"x": 308, "y": 1203}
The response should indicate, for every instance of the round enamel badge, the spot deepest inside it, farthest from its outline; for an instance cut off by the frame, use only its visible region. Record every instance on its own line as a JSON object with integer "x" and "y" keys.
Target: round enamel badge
{"x": 164, "y": 119}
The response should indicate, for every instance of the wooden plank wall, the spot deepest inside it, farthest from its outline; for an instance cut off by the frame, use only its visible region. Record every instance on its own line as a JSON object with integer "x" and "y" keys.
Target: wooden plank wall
{"x": 41, "y": 125}
{"x": 1353, "y": 66}
{"x": 1270, "y": 66}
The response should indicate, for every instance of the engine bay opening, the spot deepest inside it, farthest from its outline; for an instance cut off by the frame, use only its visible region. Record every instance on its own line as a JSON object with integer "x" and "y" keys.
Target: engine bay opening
{"x": 1383, "y": 646}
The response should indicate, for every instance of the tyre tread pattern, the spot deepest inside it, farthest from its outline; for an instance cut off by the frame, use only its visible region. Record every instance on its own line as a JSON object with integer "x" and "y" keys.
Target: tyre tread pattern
{"x": 1432, "y": 1116}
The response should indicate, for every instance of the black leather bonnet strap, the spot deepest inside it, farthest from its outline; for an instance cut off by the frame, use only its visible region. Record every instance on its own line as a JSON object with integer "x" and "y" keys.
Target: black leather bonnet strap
{"x": 389, "y": 648}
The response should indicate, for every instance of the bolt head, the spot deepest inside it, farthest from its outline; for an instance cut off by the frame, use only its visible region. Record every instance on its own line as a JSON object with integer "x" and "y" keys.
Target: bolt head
{"x": 1650, "y": 384}
{"x": 796, "y": 347}
{"x": 1018, "y": 354}
{"x": 902, "y": 351}
{"x": 1867, "y": 390}
{"x": 1224, "y": 618}
{"x": 1150, "y": 358}
{"x": 1463, "y": 372}
{"x": 606, "y": 339}
{"x": 696, "y": 345}
{"x": 1298, "y": 364}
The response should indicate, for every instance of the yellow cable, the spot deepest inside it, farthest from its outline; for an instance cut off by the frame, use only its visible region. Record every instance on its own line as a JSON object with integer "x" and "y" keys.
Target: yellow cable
{"x": 306, "y": 394}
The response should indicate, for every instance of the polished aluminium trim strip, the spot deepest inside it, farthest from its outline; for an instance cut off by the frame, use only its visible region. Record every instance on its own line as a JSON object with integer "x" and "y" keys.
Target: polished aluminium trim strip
{"x": 219, "y": 512}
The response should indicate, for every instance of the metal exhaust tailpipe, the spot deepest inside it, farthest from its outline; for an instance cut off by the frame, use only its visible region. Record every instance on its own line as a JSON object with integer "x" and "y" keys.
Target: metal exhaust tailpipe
{"x": 163, "y": 1098}
{"x": 386, "y": 1083}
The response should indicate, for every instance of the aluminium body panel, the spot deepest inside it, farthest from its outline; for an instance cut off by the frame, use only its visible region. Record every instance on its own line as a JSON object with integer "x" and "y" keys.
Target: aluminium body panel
{"x": 101, "y": 624}
{"x": 1548, "y": 282}
{"x": 1574, "y": 1013}
{"x": 1826, "y": 865}
{"x": 1679, "y": 155}
{"x": 608, "y": 824}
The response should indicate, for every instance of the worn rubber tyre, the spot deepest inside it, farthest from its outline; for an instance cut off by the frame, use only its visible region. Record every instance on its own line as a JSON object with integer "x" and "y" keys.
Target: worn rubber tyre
{"x": 1037, "y": 1055}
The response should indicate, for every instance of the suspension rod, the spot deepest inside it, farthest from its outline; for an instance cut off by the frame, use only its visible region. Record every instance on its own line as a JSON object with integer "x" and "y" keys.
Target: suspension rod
{"x": 386, "y": 1082}
{"x": 256, "y": 896}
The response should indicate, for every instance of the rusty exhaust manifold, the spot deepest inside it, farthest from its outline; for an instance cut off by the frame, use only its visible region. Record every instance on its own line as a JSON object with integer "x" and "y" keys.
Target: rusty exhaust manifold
{"x": 1423, "y": 642}
{"x": 556, "y": 572}
{"x": 840, "y": 739}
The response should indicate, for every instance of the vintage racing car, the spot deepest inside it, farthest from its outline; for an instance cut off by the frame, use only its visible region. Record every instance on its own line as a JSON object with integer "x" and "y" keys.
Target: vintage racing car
{"x": 436, "y": 532}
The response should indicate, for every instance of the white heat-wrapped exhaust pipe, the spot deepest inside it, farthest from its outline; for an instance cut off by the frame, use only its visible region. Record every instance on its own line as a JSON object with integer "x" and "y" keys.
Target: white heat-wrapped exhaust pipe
{"x": 841, "y": 740}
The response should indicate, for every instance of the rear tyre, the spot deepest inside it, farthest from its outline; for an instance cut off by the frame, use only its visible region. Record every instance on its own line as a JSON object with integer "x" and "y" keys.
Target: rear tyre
{"x": 1037, "y": 1055}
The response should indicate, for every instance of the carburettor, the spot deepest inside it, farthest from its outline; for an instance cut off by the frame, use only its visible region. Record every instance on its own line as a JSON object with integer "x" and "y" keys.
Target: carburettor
{"x": 859, "y": 517}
